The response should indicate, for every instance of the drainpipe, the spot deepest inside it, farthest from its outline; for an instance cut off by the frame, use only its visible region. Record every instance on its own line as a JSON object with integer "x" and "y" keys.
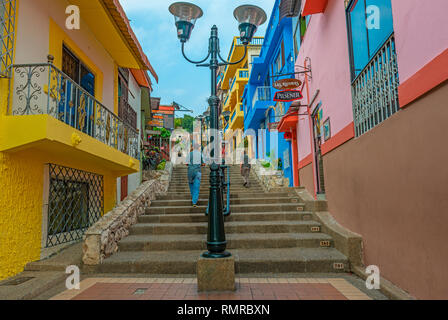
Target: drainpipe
{"x": 313, "y": 157}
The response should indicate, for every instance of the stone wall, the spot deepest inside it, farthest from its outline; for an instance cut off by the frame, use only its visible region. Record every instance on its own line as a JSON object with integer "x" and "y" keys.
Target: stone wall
{"x": 101, "y": 239}
{"x": 269, "y": 178}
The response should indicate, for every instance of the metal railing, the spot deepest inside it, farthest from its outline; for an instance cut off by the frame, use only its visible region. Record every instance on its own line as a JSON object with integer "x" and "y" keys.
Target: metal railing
{"x": 244, "y": 73}
{"x": 126, "y": 113}
{"x": 44, "y": 89}
{"x": 75, "y": 202}
{"x": 375, "y": 90}
{"x": 7, "y": 34}
{"x": 256, "y": 41}
{"x": 261, "y": 94}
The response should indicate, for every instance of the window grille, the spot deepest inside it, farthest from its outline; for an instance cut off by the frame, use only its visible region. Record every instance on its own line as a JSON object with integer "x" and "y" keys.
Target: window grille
{"x": 375, "y": 89}
{"x": 75, "y": 202}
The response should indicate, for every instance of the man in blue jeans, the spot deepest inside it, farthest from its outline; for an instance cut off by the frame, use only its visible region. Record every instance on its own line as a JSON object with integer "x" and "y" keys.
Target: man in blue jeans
{"x": 194, "y": 173}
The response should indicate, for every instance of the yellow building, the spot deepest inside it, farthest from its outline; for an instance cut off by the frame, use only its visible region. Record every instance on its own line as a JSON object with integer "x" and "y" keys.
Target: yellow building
{"x": 62, "y": 144}
{"x": 232, "y": 82}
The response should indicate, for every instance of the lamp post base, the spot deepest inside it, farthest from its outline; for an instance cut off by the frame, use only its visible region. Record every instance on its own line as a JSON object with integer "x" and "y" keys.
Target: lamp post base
{"x": 216, "y": 255}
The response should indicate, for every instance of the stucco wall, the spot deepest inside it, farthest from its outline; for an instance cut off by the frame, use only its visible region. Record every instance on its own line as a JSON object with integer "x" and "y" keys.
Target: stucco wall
{"x": 33, "y": 41}
{"x": 389, "y": 185}
{"x": 21, "y": 199}
{"x": 420, "y": 32}
{"x": 330, "y": 72}
{"x": 307, "y": 178}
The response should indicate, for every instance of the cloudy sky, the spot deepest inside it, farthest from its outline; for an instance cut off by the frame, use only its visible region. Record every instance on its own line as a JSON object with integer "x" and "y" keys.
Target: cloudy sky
{"x": 179, "y": 80}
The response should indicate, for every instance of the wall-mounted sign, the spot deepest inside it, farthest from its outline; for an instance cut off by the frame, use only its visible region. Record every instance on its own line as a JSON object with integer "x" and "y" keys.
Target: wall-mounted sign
{"x": 156, "y": 123}
{"x": 273, "y": 125}
{"x": 288, "y": 95}
{"x": 287, "y": 84}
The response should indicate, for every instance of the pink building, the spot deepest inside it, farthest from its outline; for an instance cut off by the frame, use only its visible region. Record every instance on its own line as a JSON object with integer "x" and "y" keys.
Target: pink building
{"x": 371, "y": 141}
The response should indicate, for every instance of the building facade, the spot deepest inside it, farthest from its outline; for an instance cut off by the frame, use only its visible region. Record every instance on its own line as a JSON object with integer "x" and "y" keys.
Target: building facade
{"x": 262, "y": 114}
{"x": 370, "y": 130}
{"x": 231, "y": 86}
{"x": 62, "y": 143}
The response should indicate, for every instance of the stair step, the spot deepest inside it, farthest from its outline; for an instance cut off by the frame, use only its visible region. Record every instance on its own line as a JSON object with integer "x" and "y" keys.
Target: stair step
{"x": 285, "y": 260}
{"x": 230, "y": 227}
{"x": 234, "y": 241}
{"x": 297, "y": 207}
{"x": 247, "y": 216}
{"x": 233, "y": 201}
{"x": 204, "y": 196}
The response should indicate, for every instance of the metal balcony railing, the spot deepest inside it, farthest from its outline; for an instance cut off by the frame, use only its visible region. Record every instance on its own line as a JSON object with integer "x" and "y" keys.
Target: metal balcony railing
{"x": 7, "y": 26}
{"x": 375, "y": 89}
{"x": 261, "y": 94}
{"x": 126, "y": 113}
{"x": 44, "y": 89}
{"x": 244, "y": 73}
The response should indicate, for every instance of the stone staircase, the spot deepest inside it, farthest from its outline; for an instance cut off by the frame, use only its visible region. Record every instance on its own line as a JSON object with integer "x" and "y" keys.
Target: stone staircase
{"x": 266, "y": 233}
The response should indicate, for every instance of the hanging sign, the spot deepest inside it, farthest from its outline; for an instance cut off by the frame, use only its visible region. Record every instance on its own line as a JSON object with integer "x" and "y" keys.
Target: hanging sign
{"x": 288, "y": 95}
{"x": 287, "y": 84}
{"x": 273, "y": 125}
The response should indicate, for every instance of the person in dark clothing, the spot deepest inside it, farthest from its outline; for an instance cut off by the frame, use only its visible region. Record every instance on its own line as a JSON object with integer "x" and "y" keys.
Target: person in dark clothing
{"x": 194, "y": 174}
{"x": 245, "y": 170}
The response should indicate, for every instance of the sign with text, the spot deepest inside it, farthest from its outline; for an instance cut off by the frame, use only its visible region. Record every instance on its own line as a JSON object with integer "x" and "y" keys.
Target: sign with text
{"x": 273, "y": 125}
{"x": 287, "y": 84}
{"x": 288, "y": 95}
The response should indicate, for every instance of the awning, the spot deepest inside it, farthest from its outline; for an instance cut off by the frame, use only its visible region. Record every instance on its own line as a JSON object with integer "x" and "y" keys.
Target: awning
{"x": 288, "y": 122}
{"x": 314, "y": 6}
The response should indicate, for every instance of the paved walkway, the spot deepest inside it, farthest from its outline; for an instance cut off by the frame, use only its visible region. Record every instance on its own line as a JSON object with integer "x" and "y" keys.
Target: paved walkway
{"x": 186, "y": 289}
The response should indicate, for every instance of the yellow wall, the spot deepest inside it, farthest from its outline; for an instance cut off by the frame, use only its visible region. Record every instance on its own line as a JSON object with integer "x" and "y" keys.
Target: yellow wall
{"x": 58, "y": 38}
{"x": 21, "y": 198}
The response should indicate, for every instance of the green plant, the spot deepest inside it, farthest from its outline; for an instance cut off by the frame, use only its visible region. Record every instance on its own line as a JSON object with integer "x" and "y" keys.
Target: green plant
{"x": 265, "y": 164}
{"x": 161, "y": 165}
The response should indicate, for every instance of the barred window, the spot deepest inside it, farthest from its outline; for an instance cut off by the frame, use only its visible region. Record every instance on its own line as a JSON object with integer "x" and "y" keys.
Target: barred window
{"x": 7, "y": 20}
{"x": 75, "y": 202}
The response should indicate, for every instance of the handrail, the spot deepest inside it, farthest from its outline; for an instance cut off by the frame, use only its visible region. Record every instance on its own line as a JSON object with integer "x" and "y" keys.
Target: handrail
{"x": 42, "y": 88}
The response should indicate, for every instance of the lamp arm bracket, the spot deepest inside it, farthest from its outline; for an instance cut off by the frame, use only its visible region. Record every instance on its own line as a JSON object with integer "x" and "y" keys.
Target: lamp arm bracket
{"x": 191, "y": 61}
{"x": 225, "y": 62}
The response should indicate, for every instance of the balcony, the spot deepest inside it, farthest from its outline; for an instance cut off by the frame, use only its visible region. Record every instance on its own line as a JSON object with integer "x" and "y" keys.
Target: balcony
{"x": 236, "y": 53}
{"x": 48, "y": 105}
{"x": 237, "y": 117}
{"x": 375, "y": 90}
{"x": 261, "y": 100}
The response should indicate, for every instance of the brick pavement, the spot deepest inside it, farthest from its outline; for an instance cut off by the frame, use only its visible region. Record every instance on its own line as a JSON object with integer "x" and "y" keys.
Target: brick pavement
{"x": 186, "y": 289}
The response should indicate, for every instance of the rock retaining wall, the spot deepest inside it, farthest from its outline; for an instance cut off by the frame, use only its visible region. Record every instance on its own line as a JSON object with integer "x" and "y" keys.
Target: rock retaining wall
{"x": 101, "y": 239}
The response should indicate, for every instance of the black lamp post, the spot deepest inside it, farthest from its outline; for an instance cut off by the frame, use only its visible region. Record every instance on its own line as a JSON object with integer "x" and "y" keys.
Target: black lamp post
{"x": 249, "y": 18}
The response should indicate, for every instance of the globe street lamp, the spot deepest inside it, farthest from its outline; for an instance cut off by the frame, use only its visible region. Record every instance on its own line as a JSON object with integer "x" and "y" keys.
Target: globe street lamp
{"x": 249, "y": 18}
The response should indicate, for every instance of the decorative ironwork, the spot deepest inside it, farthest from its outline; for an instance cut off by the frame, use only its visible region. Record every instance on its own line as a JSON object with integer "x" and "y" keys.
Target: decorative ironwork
{"x": 75, "y": 202}
{"x": 44, "y": 89}
{"x": 7, "y": 34}
{"x": 126, "y": 113}
{"x": 375, "y": 90}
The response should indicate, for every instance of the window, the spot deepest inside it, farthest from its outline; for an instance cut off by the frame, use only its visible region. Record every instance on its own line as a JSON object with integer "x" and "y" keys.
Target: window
{"x": 77, "y": 71}
{"x": 297, "y": 37}
{"x": 7, "y": 21}
{"x": 75, "y": 202}
{"x": 304, "y": 21}
{"x": 366, "y": 41}
{"x": 373, "y": 61}
{"x": 278, "y": 64}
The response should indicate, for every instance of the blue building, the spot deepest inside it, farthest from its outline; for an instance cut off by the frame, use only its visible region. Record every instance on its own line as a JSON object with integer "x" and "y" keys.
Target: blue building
{"x": 261, "y": 113}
